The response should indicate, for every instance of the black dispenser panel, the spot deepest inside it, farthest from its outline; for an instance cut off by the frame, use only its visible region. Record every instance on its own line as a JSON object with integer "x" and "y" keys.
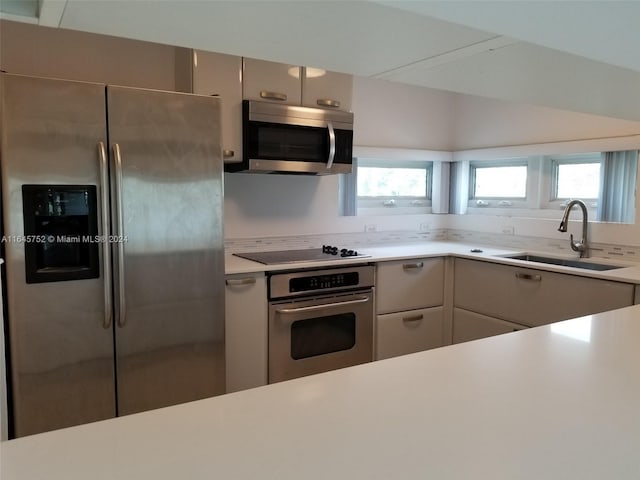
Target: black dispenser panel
{"x": 61, "y": 232}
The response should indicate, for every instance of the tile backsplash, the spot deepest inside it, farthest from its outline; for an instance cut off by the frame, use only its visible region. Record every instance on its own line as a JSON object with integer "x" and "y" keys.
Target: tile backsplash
{"x": 360, "y": 240}
{"x": 350, "y": 240}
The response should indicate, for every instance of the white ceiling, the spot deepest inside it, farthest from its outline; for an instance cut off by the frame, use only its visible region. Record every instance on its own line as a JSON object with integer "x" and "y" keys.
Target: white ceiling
{"x": 605, "y": 31}
{"x": 575, "y": 55}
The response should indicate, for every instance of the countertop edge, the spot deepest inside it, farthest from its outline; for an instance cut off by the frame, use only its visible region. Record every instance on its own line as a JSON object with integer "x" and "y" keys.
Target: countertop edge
{"x": 629, "y": 273}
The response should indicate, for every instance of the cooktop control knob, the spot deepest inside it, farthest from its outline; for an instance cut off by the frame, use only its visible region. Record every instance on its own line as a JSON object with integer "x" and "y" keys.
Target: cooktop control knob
{"x": 344, "y": 252}
{"x": 329, "y": 249}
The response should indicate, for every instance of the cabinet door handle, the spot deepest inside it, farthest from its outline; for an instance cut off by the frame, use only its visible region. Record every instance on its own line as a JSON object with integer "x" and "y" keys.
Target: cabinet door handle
{"x": 281, "y": 97}
{"x": 413, "y": 318}
{"x": 412, "y": 266}
{"x": 529, "y": 276}
{"x": 240, "y": 281}
{"x": 327, "y": 102}
{"x": 229, "y": 157}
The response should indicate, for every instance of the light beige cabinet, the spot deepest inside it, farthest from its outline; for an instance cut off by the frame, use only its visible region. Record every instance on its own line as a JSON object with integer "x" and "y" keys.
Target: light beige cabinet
{"x": 409, "y": 312}
{"x": 408, "y": 332}
{"x": 531, "y": 297}
{"x": 246, "y": 329}
{"x": 471, "y": 326}
{"x": 321, "y": 88}
{"x": 209, "y": 73}
{"x": 409, "y": 284}
{"x": 271, "y": 82}
{"x": 293, "y": 85}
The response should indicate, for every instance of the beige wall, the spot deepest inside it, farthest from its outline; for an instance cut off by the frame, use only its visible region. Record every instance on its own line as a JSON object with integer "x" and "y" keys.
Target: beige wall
{"x": 482, "y": 122}
{"x": 391, "y": 114}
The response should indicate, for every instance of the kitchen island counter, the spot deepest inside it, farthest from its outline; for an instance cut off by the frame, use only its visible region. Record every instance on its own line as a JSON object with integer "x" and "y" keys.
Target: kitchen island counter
{"x": 559, "y": 401}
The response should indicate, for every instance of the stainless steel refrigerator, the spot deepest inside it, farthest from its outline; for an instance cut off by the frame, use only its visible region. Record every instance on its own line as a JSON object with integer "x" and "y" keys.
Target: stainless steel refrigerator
{"x": 112, "y": 216}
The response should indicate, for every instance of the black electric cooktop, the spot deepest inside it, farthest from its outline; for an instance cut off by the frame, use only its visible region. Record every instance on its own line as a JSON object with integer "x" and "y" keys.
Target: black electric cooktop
{"x": 326, "y": 253}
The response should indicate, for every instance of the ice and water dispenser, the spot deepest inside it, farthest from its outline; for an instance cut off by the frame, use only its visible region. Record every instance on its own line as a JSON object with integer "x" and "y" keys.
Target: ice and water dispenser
{"x": 61, "y": 228}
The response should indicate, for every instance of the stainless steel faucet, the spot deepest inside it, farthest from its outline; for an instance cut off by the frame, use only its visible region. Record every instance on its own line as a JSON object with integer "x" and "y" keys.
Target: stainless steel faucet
{"x": 582, "y": 246}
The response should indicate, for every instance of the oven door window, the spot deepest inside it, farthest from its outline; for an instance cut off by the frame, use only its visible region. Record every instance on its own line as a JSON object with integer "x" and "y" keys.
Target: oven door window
{"x": 319, "y": 336}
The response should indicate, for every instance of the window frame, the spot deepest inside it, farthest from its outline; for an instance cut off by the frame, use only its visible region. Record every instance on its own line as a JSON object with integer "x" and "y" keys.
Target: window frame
{"x": 550, "y": 187}
{"x": 540, "y": 179}
{"x": 477, "y": 203}
{"x": 395, "y": 204}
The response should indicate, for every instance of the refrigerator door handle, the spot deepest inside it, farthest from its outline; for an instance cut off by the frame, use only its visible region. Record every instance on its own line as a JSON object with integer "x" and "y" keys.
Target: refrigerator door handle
{"x": 122, "y": 320}
{"x": 106, "y": 246}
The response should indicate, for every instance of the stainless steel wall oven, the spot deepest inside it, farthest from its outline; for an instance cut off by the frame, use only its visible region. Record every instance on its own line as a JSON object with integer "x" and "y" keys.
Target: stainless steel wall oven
{"x": 320, "y": 320}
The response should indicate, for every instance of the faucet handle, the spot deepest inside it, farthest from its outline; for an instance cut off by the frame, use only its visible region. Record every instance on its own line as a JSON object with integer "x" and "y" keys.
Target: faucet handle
{"x": 578, "y": 246}
{"x": 575, "y": 246}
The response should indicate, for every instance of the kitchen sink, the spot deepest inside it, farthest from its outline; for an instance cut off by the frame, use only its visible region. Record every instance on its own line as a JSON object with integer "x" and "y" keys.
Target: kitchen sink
{"x": 564, "y": 262}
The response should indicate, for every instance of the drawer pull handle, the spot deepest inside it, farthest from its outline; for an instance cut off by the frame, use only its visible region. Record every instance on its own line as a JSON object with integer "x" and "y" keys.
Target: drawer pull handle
{"x": 273, "y": 95}
{"x": 413, "y": 318}
{"x": 528, "y": 276}
{"x": 240, "y": 281}
{"x": 412, "y": 266}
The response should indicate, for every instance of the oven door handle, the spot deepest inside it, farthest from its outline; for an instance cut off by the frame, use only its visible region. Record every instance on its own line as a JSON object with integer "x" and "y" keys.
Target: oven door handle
{"x": 324, "y": 305}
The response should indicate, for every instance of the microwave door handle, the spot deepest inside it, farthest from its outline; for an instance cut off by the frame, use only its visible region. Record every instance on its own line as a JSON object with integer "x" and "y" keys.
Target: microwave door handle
{"x": 332, "y": 145}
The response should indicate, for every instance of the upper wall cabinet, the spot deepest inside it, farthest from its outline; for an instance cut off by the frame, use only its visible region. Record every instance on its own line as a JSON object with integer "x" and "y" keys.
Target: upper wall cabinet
{"x": 208, "y": 73}
{"x": 271, "y": 82}
{"x": 326, "y": 89}
{"x": 294, "y": 85}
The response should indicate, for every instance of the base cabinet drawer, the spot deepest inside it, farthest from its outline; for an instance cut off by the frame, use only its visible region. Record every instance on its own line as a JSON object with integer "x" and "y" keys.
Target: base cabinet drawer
{"x": 408, "y": 332}
{"x": 472, "y": 326}
{"x": 533, "y": 297}
{"x": 409, "y": 284}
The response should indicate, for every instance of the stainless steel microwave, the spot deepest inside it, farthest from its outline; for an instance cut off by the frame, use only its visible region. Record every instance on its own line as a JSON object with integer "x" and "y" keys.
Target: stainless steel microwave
{"x": 291, "y": 139}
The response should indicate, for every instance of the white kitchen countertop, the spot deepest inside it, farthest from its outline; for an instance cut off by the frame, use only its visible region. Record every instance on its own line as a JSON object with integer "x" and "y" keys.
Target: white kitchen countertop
{"x": 553, "y": 402}
{"x": 378, "y": 253}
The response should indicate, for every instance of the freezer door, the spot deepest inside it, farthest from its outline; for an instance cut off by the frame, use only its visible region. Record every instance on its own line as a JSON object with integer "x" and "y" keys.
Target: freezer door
{"x": 61, "y": 338}
{"x": 166, "y": 164}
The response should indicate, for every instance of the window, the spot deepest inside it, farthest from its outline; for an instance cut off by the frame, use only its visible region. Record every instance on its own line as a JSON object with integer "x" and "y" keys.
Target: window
{"x": 576, "y": 176}
{"x": 568, "y": 177}
{"x": 393, "y": 186}
{"x": 503, "y": 183}
{"x": 499, "y": 181}
{"x": 578, "y": 180}
{"x": 541, "y": 186}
